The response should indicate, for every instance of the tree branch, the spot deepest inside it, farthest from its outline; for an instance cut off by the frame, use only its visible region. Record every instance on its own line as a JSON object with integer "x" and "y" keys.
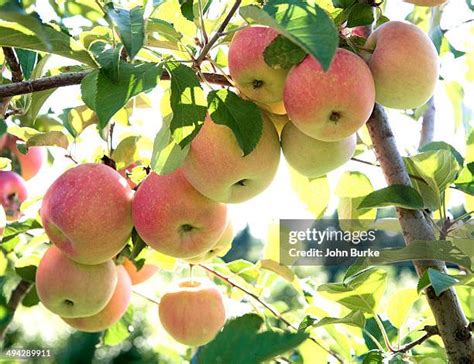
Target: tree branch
{"x": 450, "y": 318}
{"x": 430, "y": 331}
{"x": 17, "y": 295}
{"x": 205, "y": 50}
{"x": 12, "y": 61}
{"x": 428, "y": 125}
{"x": 75, "y": 78}
{"x": 268, "y": 307}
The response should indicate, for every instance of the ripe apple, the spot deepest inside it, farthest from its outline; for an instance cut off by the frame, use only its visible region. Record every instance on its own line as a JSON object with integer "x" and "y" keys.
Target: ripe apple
{"x": 253, "y": 77}
{"x": 193, "y": 312}
{"x": 3, "y": 222}
{"x": 279, "y": 121}
{"x": 139, "y": 276}
{"x": 314, "y": 158}
{"x": 426, "y": 2}
{"x": 112, "y": 312}
{"x": 223, "y": 245}
{"x": 175, "y": 219}
{"x": 277, "y": 108}
{"x": 404, "y": 64}
{"x": 87, "y": 213}
{"x": 216, "y": 167}
{"x": 12, "y": 193}
{"x": 29, "y": 163}
{"x": 70, "y": 289}
{"x": 332, "y": 105}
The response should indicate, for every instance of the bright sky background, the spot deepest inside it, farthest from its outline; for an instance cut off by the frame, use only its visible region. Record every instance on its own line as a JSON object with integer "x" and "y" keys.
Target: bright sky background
{"x": 279, "y": 200}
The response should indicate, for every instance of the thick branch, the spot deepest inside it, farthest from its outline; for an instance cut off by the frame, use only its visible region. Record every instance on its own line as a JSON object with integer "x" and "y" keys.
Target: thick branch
{"x": 267, "y": 306}
{"x": 75, "y": 78}
{"x": 17, "y": 295}
{"x": 428, "y": 126}
{"x": 450, "y": 319}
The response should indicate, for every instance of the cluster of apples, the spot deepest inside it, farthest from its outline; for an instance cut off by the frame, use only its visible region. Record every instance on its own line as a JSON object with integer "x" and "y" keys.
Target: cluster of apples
{"x": 89, "y": 213}
{"x": 13, "y": 190}
{"x": 397, "y": 68}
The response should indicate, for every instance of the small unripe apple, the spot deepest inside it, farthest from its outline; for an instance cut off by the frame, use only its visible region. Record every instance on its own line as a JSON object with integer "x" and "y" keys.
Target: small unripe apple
{"x": 221, "y": 248}
{"x": 139, "y": 276}
{"x": 404, "y": 64}
{"x": 314, "y": 158}
{"x": 430, "y": 3}
{"x": 192, "y": 313}
{"x": 112, "y": 312}
{"x": 175, "y": 219}
{"x": 87, "y": 213}
{"x": 330, "y": 105}
{"x": 216, "y": 167}
{"x": 12, "y": 193}
{"x": 253, "y": 77}
{"x": 70, "y": 289}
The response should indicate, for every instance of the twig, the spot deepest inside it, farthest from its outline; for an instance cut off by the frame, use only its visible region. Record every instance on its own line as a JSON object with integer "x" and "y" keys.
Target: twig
{"x": 268, "y": 307}
{"x": 430, "y": 331}
{"x": 203, "y": 27}
{"x": 75, "y": 78}
{"x": 17, "y": 295}
{"x": 152, "y": 300}
{"x": 207, "y": 47}
{"x": 428, "y": 124}
{"x": 12, "y": 61}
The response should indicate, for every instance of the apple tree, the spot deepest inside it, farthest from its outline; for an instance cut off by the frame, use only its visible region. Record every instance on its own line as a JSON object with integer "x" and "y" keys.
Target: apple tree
{"x": 134, "y": 133}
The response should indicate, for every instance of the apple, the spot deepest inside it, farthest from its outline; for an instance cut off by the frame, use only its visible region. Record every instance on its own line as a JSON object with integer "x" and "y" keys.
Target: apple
{"x": 404, "y": 64}
{"x": 314, "y": 158}
{"x": 30, "y": 163}
{"x": 12, "y": 193}
{"x": 216, "y": 167}
{"x": 252, "y": 76}
{"x": 139, "y": 276}
{"x": 87, "y": 213}
{"x": 279, "y": 121}
{"x": 221, "y": 248}
{"x": 70, "y": 289}
{"x": 3, "y": 222}
{"x": 332, "y": 105}
{"x": 175, "y": 219}
{"x": 112, "y": 312}
{"x": 193, "y": 312}
{"x": 426, "y": 2}
{"x": 277, "y": 108}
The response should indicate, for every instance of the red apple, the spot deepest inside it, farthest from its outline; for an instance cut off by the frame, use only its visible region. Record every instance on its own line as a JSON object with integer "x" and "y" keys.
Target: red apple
{"x": 12, "y": 193}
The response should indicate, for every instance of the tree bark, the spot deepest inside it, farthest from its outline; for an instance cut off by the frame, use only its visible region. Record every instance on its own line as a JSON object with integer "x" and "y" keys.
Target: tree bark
{"x": 452, "y": 324}
{"x": 428, "y": 123}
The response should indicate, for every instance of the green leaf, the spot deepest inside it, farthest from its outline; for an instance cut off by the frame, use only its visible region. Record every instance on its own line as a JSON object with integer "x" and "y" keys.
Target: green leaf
{"x": 360, "y": 14}
{"x": 186, "y": 7}
{"x": 37, "y": 101}
{"x": 49, "y": 139}
{"x": 53, "y": 41}
{"x": 26, "y": 267}
{"x": 342, "y": 4}
{"x": 353, "y": 184}
{"x": 119, "y": 332}
{"x": 308, "y": 26}
{"x": 395, "y": 195}
{"x": 241, "y": 116}
{"x": 438, "y": 280}
{"x": 13, "y": 229}
{"x": 418, "y": 250}
{"x": 360, "y": 292}
{"x": 373, "y": 357}
{"x": 129, "y": 25}
{"x": 187, "y": 101}
{"x": 399, "y": 306}
{"x": 465, "y": 180}
{"x": 243, "y": 332}
{"x": 108, "y": 58}
{"x": 31, "y": 298}
{"x": 164, "y": 29}
{"x": 355, "y": 318}
{"x": 434, "y": 146}
{"x": 283, "y": 53}
{"x": 27, "y": 61}
{"x": 105, "y": 97}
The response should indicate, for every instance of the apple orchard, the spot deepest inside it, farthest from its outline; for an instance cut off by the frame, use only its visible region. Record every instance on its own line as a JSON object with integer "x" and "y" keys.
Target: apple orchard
{"x": 144, "y": 142}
